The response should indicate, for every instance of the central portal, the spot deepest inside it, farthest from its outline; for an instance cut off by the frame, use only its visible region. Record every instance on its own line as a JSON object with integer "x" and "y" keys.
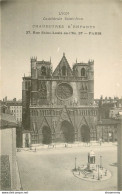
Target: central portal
{"x": 47, "y": 137}
{"x": 68, "y": 132}
{"x": 85, "y": 133}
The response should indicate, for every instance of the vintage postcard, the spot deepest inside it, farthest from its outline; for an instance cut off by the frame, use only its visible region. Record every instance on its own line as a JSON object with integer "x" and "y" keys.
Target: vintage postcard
{"x": 61, "y": 95}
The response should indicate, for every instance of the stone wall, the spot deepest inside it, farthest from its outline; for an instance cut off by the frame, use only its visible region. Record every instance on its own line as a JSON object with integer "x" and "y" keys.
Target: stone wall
{"x": 8, "y": 149}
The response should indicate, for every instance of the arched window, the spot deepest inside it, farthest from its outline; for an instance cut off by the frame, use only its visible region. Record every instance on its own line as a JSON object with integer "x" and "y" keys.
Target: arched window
{"x": 83, "y": 72}
{"x": 64, "y": 70}
{"x": 43, "y": 70}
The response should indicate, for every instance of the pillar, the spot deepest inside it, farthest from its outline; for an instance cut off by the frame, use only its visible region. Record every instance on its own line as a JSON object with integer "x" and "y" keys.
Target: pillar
{"x": 119, "y": 154}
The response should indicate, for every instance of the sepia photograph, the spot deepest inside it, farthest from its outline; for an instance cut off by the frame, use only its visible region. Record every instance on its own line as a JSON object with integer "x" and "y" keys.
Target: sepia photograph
{"x": 61, "y": 95}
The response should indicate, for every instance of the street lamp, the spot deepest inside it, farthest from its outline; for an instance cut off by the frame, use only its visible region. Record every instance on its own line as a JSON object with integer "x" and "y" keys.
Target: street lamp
{"x": 75, "y": 162}
{"x": 100, "y": 161}
{"x": 98, "y": 173}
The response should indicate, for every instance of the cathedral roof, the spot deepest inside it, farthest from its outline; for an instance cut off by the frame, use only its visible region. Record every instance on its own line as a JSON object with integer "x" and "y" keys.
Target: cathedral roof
{"x": 62, "y": 63}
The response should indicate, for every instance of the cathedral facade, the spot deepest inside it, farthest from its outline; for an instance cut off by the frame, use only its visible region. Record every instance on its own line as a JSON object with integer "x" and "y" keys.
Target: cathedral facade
{"x": 58, "y": 106}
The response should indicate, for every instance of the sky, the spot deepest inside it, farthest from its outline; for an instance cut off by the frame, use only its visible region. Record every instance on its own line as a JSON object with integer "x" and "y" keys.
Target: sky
{"x": 20, "y": 16}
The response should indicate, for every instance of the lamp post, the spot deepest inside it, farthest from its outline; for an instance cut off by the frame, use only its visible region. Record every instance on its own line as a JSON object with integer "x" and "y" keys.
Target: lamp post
{"x": 75, "y": 162}
{"x": 98, "y": 173}
{"x": 100, "y": 161}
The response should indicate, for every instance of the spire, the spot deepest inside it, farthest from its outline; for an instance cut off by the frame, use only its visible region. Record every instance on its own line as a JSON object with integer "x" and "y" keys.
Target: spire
{"x": 76, "y": 60}
{"x": 63, "y": 54}
{"x": 50, "y": 59}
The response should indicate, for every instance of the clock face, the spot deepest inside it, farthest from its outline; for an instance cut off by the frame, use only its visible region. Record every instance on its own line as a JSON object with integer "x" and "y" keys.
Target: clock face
{"x": 64, "y": 91}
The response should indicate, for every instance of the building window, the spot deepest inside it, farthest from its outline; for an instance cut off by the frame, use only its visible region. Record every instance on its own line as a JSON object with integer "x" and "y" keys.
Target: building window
{"x": 83, "y": 71}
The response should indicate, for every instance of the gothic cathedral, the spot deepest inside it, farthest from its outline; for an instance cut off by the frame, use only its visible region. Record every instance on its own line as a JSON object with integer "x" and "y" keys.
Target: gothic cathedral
{"x": 58, "y": 106}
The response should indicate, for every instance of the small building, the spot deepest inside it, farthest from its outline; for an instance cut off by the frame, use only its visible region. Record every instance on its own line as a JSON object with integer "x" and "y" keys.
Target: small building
{"x": 91, "y": 160}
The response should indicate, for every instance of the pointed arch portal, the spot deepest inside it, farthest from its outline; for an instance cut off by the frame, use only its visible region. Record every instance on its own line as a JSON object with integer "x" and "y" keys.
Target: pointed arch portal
{"x": 85, "y": 133}
{"x": 47, "y": 136}
{"x": 68, "y": 132}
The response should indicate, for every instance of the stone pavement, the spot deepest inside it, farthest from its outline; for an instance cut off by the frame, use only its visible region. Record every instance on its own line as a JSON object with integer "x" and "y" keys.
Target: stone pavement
{"x": 51, "y": 168}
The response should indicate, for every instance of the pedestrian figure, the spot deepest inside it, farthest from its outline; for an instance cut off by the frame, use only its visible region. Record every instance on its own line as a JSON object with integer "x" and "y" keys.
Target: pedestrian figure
{"x": 100, "y": 141}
